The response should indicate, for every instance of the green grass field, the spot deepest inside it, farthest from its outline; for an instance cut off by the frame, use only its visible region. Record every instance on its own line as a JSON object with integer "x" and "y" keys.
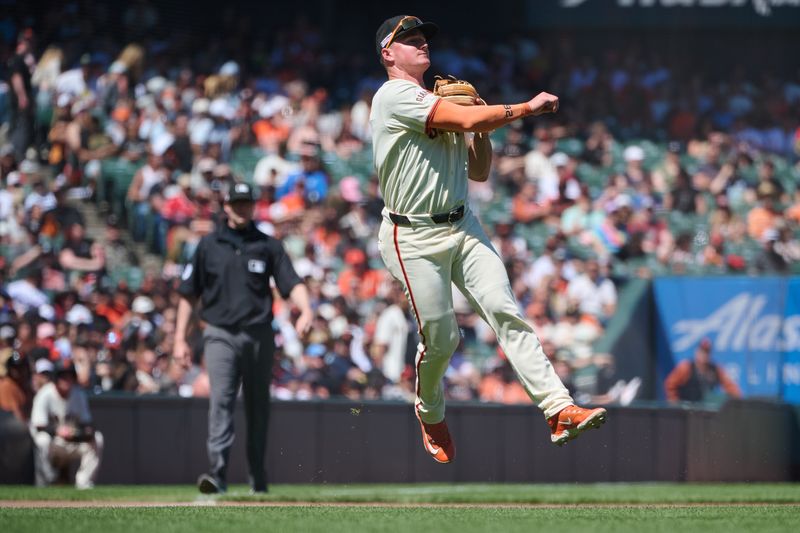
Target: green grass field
{"x": 426, "y": 507}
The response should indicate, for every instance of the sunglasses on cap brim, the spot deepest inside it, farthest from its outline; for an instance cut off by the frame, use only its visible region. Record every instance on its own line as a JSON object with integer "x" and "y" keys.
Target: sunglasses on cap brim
{"x": 405, "y": 24}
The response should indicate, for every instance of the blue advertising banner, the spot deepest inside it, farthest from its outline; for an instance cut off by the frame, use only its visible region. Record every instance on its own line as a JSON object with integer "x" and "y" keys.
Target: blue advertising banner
{"x": 753, "y": 324}
{"x": 791, "y": 361}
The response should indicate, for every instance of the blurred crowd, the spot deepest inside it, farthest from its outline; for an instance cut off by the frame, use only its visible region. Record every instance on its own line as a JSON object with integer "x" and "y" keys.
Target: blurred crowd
{"x": 650, "y": 168}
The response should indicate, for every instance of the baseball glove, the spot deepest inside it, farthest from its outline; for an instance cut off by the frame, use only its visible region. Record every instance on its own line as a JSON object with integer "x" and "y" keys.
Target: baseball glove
{"x": 456, "y": 91}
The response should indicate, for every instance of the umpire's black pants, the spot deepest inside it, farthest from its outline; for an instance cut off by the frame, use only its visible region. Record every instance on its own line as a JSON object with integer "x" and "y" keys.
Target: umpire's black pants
{"x": 233, "y": 357}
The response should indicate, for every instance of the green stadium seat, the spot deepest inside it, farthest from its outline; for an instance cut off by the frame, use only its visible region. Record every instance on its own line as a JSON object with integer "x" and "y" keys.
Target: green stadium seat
{"x": 592, "y": 176}
{"x": 116, "y": 177}
{"x": 244, "y": 160}
{"x": 570, "y": 146}
{"x": 336, "y": 167}
{"x": 498, "y": 136}
{"x": 535, "y": 235}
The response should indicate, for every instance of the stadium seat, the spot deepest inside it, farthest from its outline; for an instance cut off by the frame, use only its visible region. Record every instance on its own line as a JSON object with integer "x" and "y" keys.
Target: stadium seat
{"x": 244, "y": 160}
{"x": 571, "y": 147}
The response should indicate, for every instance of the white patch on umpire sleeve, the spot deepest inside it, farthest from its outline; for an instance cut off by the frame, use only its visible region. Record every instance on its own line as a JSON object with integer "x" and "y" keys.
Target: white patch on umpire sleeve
{"x": 187, "y": 272}
{"x": 256, "y": 266}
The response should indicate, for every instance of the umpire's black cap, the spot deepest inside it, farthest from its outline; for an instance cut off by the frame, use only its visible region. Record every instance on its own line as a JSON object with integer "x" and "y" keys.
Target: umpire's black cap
{"x": 398, "y": 25}
{"x": 240, "y": 192}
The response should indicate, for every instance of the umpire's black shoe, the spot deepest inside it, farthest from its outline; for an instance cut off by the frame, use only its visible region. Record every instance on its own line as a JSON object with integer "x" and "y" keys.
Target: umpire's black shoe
{"x": 208, "y": 485}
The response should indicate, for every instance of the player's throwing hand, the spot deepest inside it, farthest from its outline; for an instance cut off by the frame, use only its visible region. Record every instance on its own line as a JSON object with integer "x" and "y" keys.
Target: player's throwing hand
{"x": 543, "y": 103}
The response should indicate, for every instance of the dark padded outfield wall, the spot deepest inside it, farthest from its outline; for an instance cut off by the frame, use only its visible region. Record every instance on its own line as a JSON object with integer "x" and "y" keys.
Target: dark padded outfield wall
{"x": 162, "y": 440}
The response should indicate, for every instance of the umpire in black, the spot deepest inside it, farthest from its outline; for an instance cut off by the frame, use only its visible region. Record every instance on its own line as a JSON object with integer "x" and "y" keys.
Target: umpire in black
{"x": 230, "y": 275}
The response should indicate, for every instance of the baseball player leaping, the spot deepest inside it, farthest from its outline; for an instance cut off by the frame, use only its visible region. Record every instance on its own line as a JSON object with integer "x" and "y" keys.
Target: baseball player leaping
{"x": 430, "y": 239}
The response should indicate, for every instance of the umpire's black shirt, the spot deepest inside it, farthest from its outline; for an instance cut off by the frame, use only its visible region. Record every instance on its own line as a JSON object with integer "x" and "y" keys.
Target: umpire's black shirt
{"x": 230, "y": 273}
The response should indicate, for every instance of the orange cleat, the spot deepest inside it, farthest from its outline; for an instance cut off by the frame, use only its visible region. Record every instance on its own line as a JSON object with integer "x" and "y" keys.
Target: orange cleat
{"x": 572, "y": 420}
{"x": 437, "y": 441}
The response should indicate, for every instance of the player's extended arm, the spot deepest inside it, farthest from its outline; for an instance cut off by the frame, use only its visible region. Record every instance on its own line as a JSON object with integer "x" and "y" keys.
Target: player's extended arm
{"x": 485, "y": 118}
{"x": 480, "y": 157}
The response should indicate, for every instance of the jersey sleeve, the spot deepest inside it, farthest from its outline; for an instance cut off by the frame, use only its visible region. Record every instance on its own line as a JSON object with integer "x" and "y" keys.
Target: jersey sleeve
{"x": 191, "y": 285}
{"x": 282, "y": 270}
{"x": 409, "y": 106}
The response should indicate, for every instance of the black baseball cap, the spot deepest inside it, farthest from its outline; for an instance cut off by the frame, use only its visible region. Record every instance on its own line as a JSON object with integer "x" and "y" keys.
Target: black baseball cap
{"x": 398, "y": 25}
{"x": 65, "y": 370}
{"x": 240, "y": 192}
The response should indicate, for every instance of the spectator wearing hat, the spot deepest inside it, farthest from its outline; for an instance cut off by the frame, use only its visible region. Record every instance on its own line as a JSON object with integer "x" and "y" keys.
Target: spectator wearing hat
{"x": 220, "y": 137}
{"x": 312, "y": 174}
{"x": 178, "y": 208}
{"x": 593, "y": 293}
{"x": 86, "y": 141}
{"x": 16, "y": 395}
{"x": 203, "y": 174}
{"x": 74, "y": 82}
{"x": 43, "y": 368}
{"x": 569, "y": 188}
{"x": 114, "y": 371}
{"x": 768, "y": 185}
{"x": 787, "y": 246}
{"x": 45, "y": 337}
{"x": 62, "y": 430}
{"x": 114, "y": 86}
{"x": 696, "y": 380}
{"x": 634, "y": 172}
{"x": 40, "y": 197}
{"x": 149, "y": 178}
{"x": 200, "y": 125}
{"x": 769, "y": 261}
{"x": 140, "y": 325}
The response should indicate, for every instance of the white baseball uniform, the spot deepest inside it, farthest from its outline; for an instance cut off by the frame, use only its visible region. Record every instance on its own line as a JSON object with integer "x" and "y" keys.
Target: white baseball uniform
{"x": 423, "y": 172}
